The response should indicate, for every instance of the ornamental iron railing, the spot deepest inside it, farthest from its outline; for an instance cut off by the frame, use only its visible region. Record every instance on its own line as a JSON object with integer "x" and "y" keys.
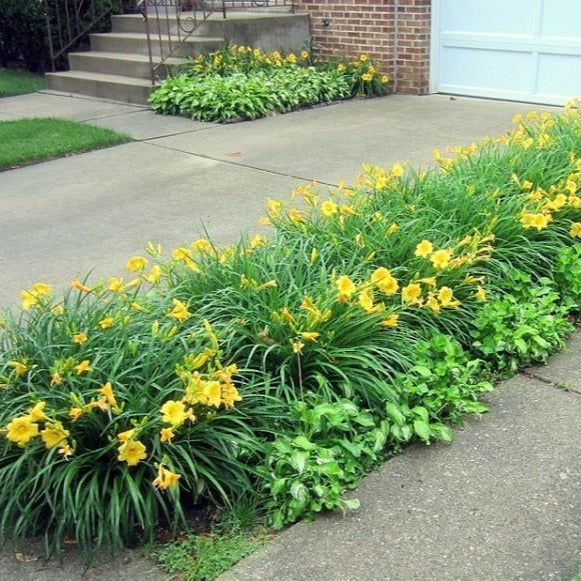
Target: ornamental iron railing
{"x": 68, "y": 22}
{"x": 170, "y": 23}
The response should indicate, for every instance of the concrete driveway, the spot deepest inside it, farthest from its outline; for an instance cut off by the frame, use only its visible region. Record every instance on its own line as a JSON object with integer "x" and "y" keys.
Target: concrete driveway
{"x": 63, "y": 218}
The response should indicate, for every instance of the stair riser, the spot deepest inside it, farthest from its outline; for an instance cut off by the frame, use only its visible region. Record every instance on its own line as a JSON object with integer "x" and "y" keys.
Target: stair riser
{"x": 137, "y": 46}
{"x": 80, "y": 62}
{"x": 110, "y": 66}
{"x": 285, "y": 33}
{"x": 104, "y": 90}
{"x": 156, "y": 25}
{"x": 124, "y": 24}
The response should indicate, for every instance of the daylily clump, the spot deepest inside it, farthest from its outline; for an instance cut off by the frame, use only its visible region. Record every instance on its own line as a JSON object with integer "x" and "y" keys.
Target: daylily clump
{"x": 206, "y": 372}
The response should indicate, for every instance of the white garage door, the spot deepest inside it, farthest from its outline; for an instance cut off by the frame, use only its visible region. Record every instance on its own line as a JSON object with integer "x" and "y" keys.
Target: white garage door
{"x": 526, "y": 50}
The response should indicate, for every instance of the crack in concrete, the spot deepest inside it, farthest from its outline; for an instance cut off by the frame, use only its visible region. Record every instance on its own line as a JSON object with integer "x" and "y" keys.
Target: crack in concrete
{"x": 559, "y": 386}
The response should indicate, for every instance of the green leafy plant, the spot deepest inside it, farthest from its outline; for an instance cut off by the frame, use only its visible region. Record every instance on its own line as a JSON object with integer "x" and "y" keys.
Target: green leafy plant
{"x": 522, "y": 327}
{"x": 238, "y": 82}
{"x": 444, "y": 384}
{"x": 568, "y": 277}
{"x": 337, "y": 443}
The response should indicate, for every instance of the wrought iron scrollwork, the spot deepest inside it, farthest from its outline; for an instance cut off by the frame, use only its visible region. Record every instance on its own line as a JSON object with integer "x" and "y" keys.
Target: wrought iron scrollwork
{"x": 69, "y": 21}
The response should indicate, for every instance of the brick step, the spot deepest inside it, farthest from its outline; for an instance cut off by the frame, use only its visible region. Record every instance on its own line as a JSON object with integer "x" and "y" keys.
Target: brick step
{"x": 113, "y": 87}
{"x": 123, "y": 64}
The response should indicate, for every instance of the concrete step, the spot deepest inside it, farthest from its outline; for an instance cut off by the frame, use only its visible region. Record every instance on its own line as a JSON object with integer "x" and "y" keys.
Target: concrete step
{"x": 136, "y": 43}
{"x": 136, "y": 22}
{"x": 112, "y": 87}
{"x": 285, "y": 32}
{"x": 273, "y": 30}
{"x": 118, "y": 63}
{"x": 160, "y": 23}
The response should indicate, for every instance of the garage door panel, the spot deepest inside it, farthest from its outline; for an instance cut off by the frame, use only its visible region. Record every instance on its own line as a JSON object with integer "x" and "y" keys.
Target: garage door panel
{"x": 526, "y": 50}
{"x": 561, "y": 19}
{"x": 485, "y": 69}
{"x": 502, "y": 17}
{"x": 558, "y": 75}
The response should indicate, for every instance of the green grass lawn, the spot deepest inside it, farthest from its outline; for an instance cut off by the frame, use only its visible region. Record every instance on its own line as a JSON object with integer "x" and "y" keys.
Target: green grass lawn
{"x": 29, "y": 140}
{"x": 19, "y": 82}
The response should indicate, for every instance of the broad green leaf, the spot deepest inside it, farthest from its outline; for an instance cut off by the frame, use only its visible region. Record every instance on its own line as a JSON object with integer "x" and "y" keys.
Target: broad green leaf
{"x": 422, "y": 430}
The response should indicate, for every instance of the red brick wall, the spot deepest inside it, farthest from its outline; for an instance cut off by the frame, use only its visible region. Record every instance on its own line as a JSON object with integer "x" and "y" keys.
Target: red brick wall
{"x": 412, "y": 60}
{"x": 352, "y": 27}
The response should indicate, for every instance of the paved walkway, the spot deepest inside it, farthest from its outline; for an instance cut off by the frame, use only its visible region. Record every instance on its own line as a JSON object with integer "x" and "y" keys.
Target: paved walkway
{"x": 501, "y": 503}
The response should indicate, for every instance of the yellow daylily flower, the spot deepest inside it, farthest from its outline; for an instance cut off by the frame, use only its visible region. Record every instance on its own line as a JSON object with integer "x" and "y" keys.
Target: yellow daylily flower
{"x": 310, "y": 335}
{"x": 166, "y": 435}
{"x": 107, "y": 392}
{"x": 165, "y": 478}
{"x": 575, "y": 230}
{"x": 78, "y": 285}
{"x": 131, "y": 452}
{"x": 21, "y": 430}
{"x": 36, "y": 412}
{"x": 174, "y": 413}
{"x": 411, "y": 293}
{"x": 20, "y": 367}
{"x": 441, "y": 258}
{"x": 83, "y": 367}
{"x": 106, "y": 323}
{"x": 424, "y": 249}
{"x": 179, "y": 311}
{"x": 391, "y": 321}
{"x": 54, "y": 435}
{"x": 480, "y": 293}
{"x": 136, "y": 263}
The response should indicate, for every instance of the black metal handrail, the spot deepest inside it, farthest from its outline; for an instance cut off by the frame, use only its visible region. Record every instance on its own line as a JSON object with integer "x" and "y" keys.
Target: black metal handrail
{"x": 68, "y": 21}
{"x": 170, "y": 23}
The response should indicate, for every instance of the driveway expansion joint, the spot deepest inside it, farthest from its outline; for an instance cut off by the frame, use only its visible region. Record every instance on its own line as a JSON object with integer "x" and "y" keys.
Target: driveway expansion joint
{"x": 247, "y": 166}
{"x": 112, "y": 116}
{"x": 151, "y": 139}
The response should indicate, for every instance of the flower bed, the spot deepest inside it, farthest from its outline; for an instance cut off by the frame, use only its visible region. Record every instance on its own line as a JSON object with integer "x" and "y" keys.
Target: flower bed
{"x": 283, "y": 369}
{"x": 238, "y": 83}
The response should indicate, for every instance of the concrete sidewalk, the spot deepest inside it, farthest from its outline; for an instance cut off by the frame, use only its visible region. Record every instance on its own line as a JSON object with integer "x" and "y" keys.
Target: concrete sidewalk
{"x": 501, "y": 503}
